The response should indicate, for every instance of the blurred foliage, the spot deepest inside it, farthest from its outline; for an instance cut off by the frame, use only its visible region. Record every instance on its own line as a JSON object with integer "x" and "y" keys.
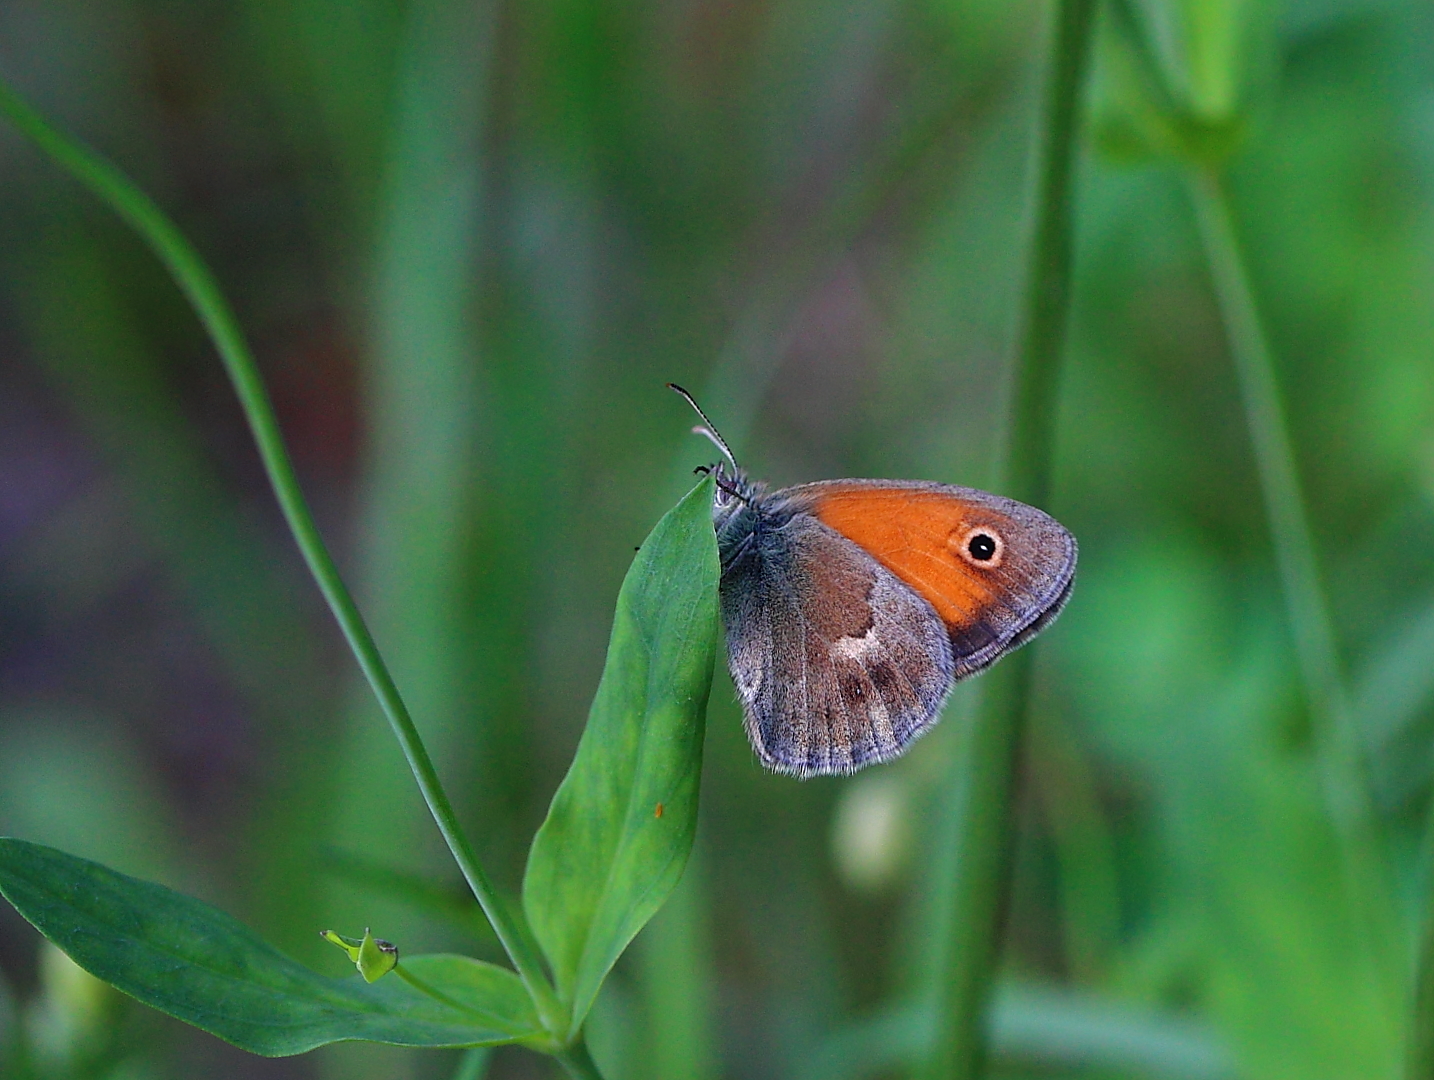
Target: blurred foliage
{"x": 470, "y": 243}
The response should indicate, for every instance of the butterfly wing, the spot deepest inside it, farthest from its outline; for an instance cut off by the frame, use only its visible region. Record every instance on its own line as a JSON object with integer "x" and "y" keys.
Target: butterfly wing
{"x": 995, "y": 570}
{"x": 837, "y": 663}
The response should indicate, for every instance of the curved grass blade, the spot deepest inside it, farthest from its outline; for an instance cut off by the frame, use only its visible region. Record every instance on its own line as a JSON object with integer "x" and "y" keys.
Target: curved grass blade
{"x": 620, "y": 827}
{"x": 201, "y": 288}
{"x": 201, "y": 966}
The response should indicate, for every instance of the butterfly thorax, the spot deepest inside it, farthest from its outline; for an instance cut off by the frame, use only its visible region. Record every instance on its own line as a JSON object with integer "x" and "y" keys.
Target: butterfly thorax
{"x": 742, "y": 511}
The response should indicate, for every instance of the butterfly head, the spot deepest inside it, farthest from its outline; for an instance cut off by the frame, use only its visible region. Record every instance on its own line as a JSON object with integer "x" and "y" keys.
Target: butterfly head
{"x": 735, "y": 488}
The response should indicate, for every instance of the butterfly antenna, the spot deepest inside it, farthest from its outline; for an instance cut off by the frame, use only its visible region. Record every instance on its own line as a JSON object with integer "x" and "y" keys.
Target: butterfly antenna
{"x": 706, "y": 428}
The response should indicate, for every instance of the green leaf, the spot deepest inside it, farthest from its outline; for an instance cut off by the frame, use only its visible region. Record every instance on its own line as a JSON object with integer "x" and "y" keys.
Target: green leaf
{"x": 493, "y": 995}
{"x": 619, "y": 830}
{"x": 203, "y": 967}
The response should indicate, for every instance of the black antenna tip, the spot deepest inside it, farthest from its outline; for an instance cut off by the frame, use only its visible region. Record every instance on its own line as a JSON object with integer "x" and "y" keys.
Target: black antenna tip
{"x": 705, "y": 428}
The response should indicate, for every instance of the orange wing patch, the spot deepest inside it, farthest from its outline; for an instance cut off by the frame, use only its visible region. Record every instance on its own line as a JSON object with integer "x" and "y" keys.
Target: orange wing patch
{"x": 912, "y": 534}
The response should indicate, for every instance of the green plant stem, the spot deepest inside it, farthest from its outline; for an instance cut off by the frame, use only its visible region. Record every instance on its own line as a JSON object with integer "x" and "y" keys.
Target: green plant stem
{"x": 1419, "y": 1041}
{"x": 473, "y": 1064}
{"x": 1036, "y": 377}
{"x": 677, "y": 976}
{"x": 16, "y": 1056}
{"x": 976, "y": 898}
{"x": 1339, "y": 751}
{"x": 578, "y": 1063}
{"x": 974, "y": 908}
{"x": 202, "y": 290}
{"x": 1084, "y": 847}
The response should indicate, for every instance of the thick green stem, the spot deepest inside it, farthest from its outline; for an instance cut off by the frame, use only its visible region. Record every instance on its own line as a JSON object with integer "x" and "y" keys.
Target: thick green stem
{"x": 473, "y": 1064}
{"x": 1339, "y": 752}
{"x": 976, "y": 898}
{"x": 1089, "y": 898}
{"x": 677, "y": 977}
{"x": 202, "y": 290}
{"x": 578, "y": 1063}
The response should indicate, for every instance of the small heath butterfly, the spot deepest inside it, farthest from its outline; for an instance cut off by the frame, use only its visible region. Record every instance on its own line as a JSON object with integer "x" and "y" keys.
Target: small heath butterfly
{"x": 853, "y": 606}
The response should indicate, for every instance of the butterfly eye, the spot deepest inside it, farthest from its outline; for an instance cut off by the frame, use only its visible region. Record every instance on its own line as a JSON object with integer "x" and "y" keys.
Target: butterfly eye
{"x": 981, "y": 546}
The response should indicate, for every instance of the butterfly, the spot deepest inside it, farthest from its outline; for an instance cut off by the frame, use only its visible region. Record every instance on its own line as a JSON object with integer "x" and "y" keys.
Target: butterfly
{"x": 852, "y": 607}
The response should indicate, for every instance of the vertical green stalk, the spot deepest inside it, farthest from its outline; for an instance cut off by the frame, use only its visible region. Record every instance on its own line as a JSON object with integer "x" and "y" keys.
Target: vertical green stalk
{"x": 974, "y": 906}
{"x": 202, "y": 290}
{"x": 473, "y": 1064}
{"x": 1084, "y": 847}
{"x": 578, "y": 1063}
{"x": 14, "y": 1043}
{"x": 676, "y": 972}
{"x": 1284, "y": 502}
{"x": 1419, "y": 1040}
{"x": 976, "y": 897}
{"x": 1035, "y": 380}
{"x": 1339, "y": 755}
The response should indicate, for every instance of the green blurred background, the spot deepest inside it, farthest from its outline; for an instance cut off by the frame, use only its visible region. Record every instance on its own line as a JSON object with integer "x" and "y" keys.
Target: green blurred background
{"x": 470, "y": 242}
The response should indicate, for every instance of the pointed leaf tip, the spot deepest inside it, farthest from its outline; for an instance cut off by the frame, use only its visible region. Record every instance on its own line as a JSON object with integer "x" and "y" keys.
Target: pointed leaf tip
{"x": 620, "y": 827}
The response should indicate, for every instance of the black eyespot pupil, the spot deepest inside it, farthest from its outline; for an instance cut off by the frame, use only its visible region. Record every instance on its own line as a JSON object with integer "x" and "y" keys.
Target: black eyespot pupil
{"x": 981, "y": 547}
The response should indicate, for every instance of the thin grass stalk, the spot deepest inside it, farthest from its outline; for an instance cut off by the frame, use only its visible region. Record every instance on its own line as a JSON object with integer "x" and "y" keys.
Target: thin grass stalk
{"x": 1339, "y": 748}
{"x": 977, "y": 895}
{"x": 199, "y": 286}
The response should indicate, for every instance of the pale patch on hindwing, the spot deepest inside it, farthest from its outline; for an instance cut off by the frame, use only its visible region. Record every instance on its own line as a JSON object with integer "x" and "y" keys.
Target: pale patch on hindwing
{"x": 837, "y": 663}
